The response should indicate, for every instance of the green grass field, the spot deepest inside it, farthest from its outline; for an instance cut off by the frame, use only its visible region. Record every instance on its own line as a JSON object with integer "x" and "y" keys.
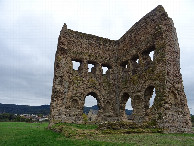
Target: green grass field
{"x": 37, "y": 134}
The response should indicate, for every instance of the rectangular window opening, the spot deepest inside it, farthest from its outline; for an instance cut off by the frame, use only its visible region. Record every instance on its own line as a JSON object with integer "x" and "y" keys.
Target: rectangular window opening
{"x": 90, "y": 66}
{"x": 135, "y": 59}
{"x": 105, "y": 68}
{"x": 76, "y": 64}
{"x": 151, "y": 54}
{"x": 124, "y": 64}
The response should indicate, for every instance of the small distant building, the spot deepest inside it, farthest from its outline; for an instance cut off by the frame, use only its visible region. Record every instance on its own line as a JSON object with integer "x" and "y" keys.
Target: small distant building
{"x": 43, "y": 119}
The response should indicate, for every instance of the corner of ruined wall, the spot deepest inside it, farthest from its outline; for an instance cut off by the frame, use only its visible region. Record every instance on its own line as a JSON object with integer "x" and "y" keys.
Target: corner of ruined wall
{"x": 173, "y": 115}
{"x": 176, "y": 114}
{"x": 170, "y": 111}
{"x": 57, "y": 88}
{"x": 142, "y": 36}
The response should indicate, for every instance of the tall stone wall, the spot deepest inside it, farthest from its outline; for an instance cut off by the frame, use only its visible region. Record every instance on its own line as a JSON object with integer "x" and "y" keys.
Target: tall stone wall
{"x": 131, "y": 74}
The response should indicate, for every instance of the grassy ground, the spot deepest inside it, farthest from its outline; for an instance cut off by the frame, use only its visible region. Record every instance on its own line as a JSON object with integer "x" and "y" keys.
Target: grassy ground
{"x": 37, "y": 134}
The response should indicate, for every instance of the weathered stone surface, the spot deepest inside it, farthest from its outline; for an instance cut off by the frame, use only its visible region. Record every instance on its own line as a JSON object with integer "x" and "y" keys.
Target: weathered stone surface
{"x": 154, "y": 32}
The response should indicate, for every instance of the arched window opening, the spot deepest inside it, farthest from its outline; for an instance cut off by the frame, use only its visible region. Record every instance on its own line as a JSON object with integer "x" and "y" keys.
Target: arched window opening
{"x": 129, "y": 109}
{"x": 91, "y": 106}
{"x": 152, "y": 98}
{"x": 106, "y": 68}
{"x": 151, "y": 55}
{"x": 76, "y": 64}
{"x": 125, "y": 107}
{"x": 149, "y": 96}
{"x": 91, "y": 66}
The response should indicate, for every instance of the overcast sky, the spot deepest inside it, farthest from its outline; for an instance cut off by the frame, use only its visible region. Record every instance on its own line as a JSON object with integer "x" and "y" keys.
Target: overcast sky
{"x": 29, "y": 32}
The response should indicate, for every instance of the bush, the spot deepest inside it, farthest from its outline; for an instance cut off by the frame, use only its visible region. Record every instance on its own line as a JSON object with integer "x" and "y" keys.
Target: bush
{"x": 192, "y": 118}
{"x": 85, "y": 118}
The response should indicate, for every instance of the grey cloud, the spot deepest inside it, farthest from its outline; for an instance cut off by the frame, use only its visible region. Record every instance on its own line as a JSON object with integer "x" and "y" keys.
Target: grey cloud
{"x": 27, "y": 56}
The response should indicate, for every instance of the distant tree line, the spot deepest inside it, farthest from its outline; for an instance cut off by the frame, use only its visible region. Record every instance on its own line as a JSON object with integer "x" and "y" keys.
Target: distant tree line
{"x": 87, "y": 109}
{"x": 7, "y": 111}
{"x": 95, "y": 107}
{"x": 7, "y": 117}
{"x": 192, "y": 120}
{"x": 43, "y": 109}
{"x": 24, "y": 109}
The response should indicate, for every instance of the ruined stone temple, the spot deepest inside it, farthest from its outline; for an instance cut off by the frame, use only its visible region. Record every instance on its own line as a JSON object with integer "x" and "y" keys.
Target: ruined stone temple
{"x": 131, "y": 73}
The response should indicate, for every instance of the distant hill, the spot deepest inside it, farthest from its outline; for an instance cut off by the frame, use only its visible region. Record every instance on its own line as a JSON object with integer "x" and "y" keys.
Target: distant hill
{"x": 87, "y": 109}
{"x": 128, "y": 112}
{"x": 95, "y": 107}
{"x": 43, "y": 109}
{"x": 24, "y": 109}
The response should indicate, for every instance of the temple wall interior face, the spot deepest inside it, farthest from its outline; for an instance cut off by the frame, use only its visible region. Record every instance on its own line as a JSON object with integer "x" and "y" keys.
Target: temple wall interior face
{"x": 145, "y": 59}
